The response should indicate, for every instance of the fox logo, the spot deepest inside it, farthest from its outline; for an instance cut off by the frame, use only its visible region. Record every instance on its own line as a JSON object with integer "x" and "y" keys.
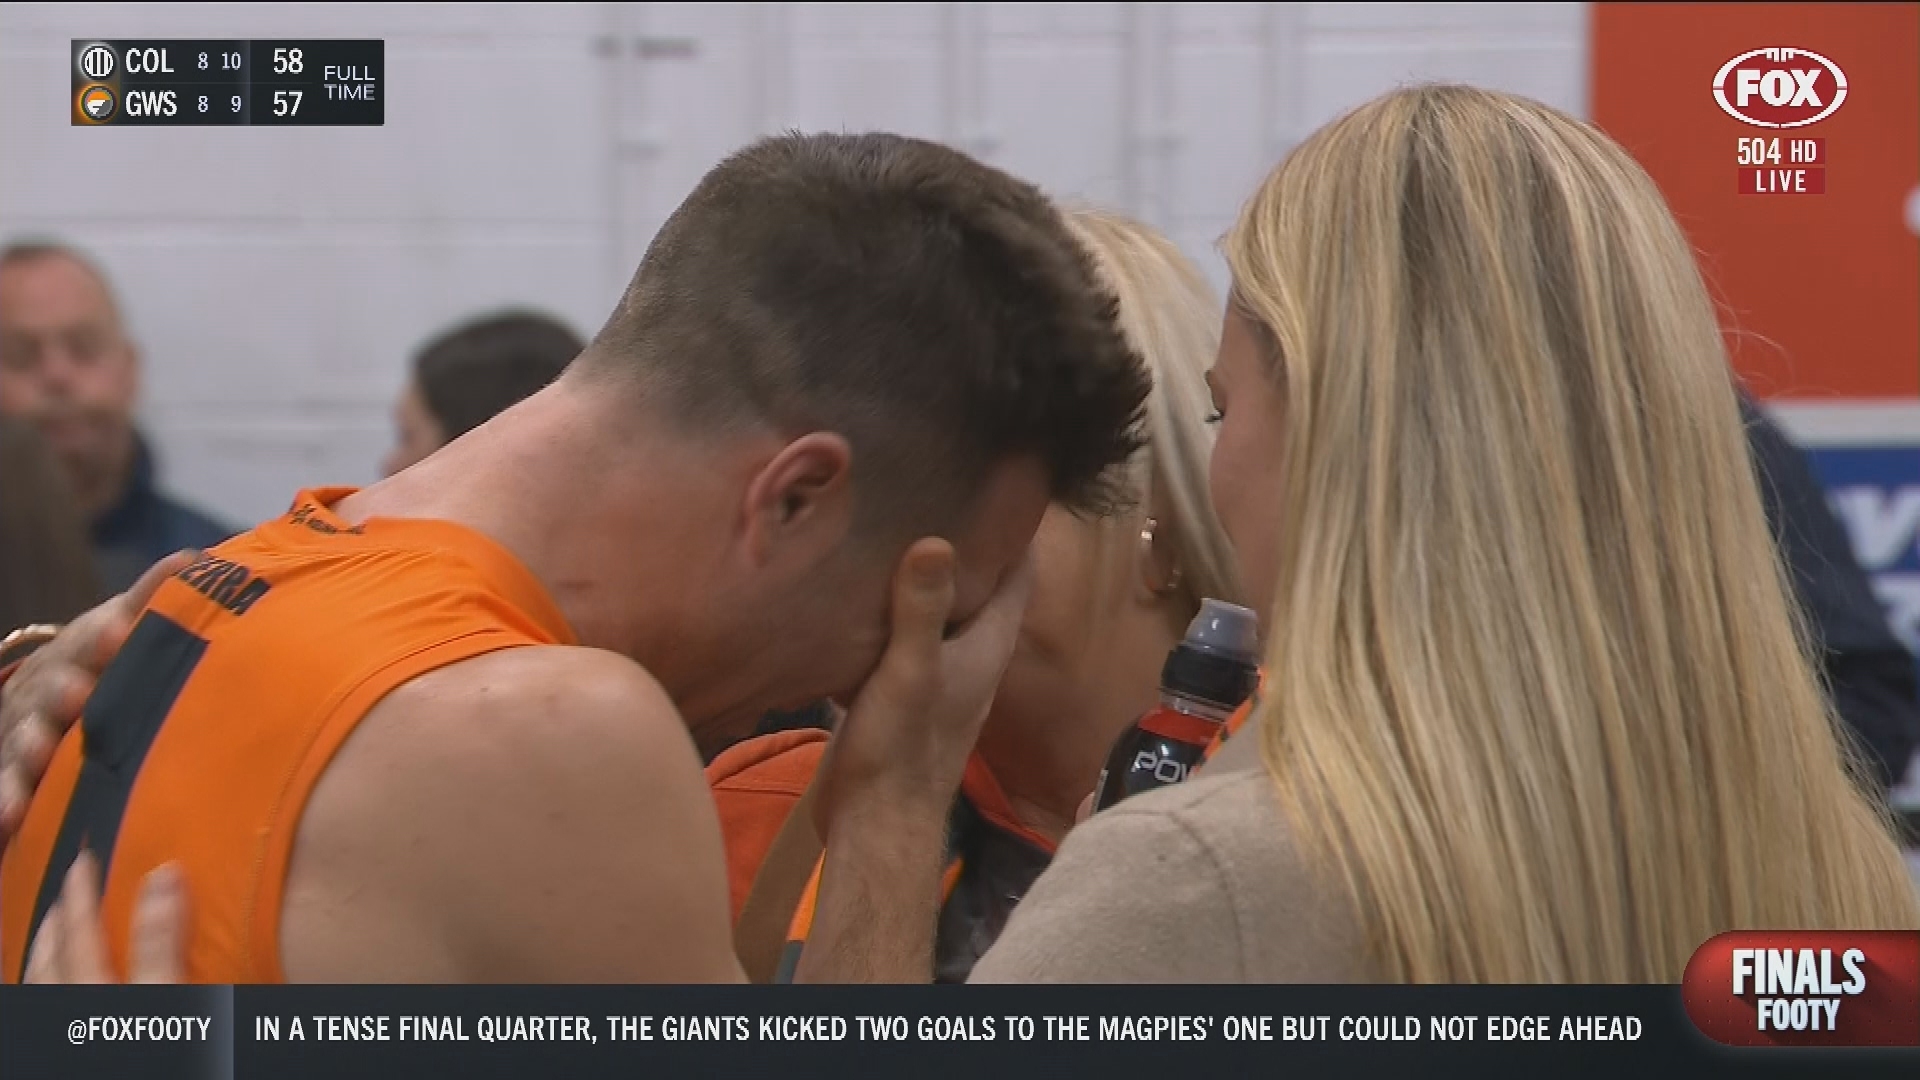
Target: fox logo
{"x": 1780, "y": 88}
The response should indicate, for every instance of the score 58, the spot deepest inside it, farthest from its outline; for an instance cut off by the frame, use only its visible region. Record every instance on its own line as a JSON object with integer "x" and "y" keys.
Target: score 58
{"x": 287, "y": 62}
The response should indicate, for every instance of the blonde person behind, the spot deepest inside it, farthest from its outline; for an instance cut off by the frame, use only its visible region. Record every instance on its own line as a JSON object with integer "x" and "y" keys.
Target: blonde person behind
{"x": 1537, "y": 705}
{"x": 1111, "y": 596}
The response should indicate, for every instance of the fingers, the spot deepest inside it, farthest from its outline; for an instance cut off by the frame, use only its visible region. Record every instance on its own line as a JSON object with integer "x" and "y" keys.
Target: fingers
{"x": 979, "y": 656}
{"x": 83, "y": 944}
{"x": 922, "y": 599}
{"x": 1008, "y": 605}
{"x": 142, "y": 592}
{"x": 1086, "y": 809}
{"x": 50, "y": 684}
{"x": 46, "y": 696}
{"x": 125, "y": 609}
{"x": 159, "y": 945}
{"x": 43, "y": 966}
{"x": 24, "y": 754}
{"x": 70, "y": 947}
{"x": 72, "y": 944}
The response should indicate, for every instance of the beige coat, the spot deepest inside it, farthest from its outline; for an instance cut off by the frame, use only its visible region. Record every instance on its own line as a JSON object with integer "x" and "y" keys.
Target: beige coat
{"x": 1200, "y": 883}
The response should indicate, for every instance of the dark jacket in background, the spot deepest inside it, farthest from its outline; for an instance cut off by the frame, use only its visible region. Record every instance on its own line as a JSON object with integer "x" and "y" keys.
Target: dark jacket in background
{"x": 146, "y": 526}
{"x": 1871, "y": 675}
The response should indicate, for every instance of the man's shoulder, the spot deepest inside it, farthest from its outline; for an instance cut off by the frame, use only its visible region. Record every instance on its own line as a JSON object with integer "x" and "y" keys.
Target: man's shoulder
{"x": 512, "y": 735}
{"x": 538, "y": 812}
{"x": 565, "y": 699}
{"x": 542, "y": 722}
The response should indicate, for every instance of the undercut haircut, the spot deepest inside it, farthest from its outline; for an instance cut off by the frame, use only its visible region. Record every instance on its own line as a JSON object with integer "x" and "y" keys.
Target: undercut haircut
{"x": 933, "y": 310}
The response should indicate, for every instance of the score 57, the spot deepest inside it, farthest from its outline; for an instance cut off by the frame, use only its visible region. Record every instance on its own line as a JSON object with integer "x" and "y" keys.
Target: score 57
{"x": 1760, "y": 151}
{"x": 287, "y": 62}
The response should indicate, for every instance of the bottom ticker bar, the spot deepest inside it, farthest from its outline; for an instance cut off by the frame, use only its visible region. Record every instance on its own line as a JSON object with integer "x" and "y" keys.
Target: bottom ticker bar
{"x": 1009, "y": 1033}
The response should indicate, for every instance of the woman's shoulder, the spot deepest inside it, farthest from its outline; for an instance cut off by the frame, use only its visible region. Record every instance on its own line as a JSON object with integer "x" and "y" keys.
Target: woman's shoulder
{"x": 1202, "y": 882}
{"x": 1234, "y": 821}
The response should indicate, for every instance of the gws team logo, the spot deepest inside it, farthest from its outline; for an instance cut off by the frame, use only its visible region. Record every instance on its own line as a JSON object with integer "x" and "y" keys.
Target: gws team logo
{"x": 1780, "y": 88}
{"x": 97, "y": 104}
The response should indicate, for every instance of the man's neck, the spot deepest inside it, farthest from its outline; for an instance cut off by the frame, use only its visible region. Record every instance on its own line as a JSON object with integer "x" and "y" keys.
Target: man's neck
{"x": 598, "y": 520}
{"x": 1043, "y": 778}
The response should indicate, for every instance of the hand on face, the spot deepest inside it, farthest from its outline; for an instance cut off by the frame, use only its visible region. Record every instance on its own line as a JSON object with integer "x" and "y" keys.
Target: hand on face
{"x": 45, "y": 697}
{"x": 72, "y": 944}
{"x": 911, "y": 728}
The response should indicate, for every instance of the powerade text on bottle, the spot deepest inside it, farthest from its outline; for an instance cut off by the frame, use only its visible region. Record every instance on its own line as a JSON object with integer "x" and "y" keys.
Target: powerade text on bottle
{"x": 1206, "y": 677}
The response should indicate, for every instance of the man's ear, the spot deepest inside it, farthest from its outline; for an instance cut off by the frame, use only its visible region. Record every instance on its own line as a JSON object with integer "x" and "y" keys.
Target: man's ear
{"x": 803, "y": 495}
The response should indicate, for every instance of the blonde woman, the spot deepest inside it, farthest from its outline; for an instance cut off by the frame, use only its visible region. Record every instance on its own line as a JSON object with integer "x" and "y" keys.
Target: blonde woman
{"x": 1537, "y": 708}
{"x": 1110, "y": 598}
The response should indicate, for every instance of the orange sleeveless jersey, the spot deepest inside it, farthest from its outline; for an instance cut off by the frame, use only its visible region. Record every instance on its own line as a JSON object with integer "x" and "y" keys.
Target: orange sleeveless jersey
{"x": 205, "y": 736}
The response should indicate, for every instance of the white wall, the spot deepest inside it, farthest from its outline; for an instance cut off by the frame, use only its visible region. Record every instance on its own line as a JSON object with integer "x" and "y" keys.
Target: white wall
{"x": 278, "y": 278}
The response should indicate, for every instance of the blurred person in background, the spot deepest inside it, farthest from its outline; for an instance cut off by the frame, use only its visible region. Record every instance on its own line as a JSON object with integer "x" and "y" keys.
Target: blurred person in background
{"x": 46, "y": 565}
{"x": 1111, "y": 597}
{"x": 1869, "y": 674}
{"x": 1538, "y": 707}
{"x": 67, "y": 366}
{"x": 471, "y": 373}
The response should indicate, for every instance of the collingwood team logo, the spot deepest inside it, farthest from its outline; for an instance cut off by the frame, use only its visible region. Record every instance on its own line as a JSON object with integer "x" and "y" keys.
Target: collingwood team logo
{"x": 96, "y": 62}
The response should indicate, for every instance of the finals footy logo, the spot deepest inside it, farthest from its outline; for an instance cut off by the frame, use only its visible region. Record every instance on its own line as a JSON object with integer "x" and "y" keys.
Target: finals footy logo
{"x": 1806, "y": 988}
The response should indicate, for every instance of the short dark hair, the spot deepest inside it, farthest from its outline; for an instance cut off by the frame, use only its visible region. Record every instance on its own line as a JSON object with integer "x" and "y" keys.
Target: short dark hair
{"x": 40, "y": 247}
{"x": 33, "y": 249}
{"x": 477, "y": 370}
{"x": 934, "y": 310}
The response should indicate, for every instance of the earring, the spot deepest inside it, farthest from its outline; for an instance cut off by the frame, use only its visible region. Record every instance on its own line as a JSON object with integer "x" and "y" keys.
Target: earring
{"x": 1149, "y": 561}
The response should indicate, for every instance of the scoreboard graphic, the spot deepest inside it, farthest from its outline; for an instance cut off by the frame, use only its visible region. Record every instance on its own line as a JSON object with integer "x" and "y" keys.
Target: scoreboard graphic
{"x": 321, "y": 83}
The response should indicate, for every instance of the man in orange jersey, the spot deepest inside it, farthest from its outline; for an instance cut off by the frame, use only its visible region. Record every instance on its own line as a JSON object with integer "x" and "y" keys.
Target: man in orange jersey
{"x": 438, "y": 730}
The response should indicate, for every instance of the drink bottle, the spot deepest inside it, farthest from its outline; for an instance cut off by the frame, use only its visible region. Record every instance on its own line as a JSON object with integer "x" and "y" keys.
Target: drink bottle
{"x": 1206, "y": 677}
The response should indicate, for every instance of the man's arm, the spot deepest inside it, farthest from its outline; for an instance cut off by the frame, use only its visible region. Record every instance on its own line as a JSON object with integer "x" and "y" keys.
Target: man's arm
{"x": 535, "y": 815}
{"x": 893, "y": 770}
{"x": 878, "y": 908}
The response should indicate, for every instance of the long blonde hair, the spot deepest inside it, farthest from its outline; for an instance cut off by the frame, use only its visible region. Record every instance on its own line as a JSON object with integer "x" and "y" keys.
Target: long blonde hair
{"x": 1172, "y": 317}
{"x": 1537, "y": 692}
